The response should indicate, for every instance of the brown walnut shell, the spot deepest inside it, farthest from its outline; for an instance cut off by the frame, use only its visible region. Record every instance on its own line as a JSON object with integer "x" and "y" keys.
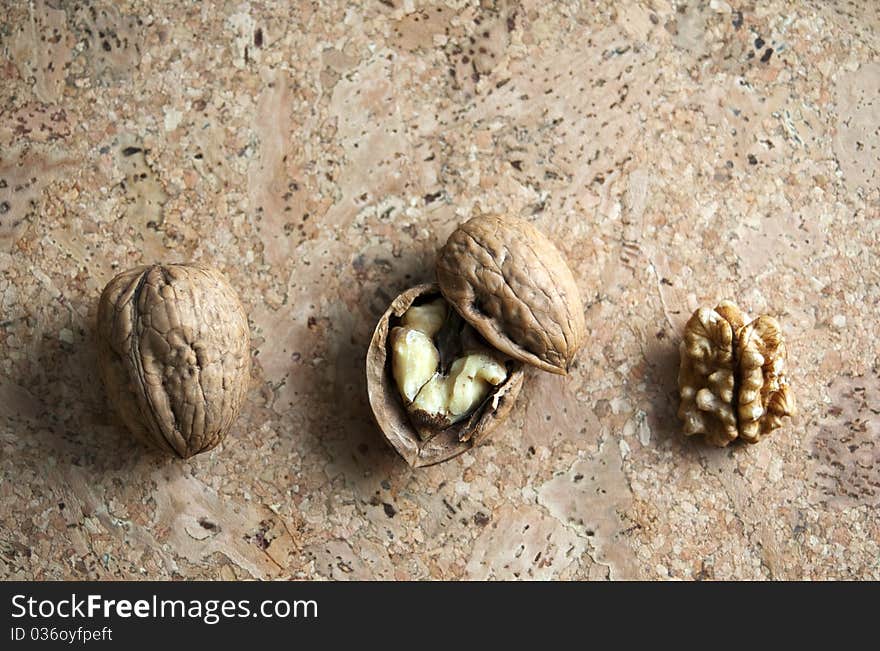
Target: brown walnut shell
{"x": 174, "y": 354}
{"x": 514, "y": 287}
{"x": 391, "y": 415}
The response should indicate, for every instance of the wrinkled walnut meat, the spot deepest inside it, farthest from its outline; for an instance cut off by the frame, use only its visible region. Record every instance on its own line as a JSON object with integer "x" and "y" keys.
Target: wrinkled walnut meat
{"x": 174, "y": 354}
{"x": 442, "y": 370}
{"x": 732, "y": 377}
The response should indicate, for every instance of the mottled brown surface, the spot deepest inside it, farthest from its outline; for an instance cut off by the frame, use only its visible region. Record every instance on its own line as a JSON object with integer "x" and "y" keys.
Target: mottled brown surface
{"x": 319, "y": 156}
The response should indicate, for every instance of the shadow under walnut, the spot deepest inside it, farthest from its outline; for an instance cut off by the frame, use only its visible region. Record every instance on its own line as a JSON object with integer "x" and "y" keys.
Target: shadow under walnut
{"x": 69, "y": 416}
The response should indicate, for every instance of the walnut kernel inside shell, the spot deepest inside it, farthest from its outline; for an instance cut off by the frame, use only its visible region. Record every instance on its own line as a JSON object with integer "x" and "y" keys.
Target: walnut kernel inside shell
{"x": 442, "y": 369}
{"x": 438, "y": 350}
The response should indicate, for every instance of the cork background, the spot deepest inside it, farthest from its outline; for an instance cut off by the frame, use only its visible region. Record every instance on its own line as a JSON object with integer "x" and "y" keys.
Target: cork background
{"x": 319, "y": 154}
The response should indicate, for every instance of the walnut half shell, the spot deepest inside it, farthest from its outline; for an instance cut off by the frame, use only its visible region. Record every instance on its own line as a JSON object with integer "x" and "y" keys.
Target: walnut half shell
{"x": 732, "y": 378}
{"x": 392, "y": 417}
{"x": 513, "y": 285}
{"x": 174, "y": 354}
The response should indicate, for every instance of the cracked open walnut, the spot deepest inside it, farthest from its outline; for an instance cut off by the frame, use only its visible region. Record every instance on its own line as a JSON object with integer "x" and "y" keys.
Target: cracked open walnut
{"x": 732, "y": 379}
{"x": 445, "y": 364}
{"x": 427, "y": 404}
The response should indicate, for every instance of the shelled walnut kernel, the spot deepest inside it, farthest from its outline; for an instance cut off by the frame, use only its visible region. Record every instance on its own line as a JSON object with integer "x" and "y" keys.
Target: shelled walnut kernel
{"x": 732, "y": 379}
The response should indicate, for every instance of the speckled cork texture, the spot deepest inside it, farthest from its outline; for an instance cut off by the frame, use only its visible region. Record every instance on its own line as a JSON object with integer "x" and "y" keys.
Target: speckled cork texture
{"x": 319, "y": 156}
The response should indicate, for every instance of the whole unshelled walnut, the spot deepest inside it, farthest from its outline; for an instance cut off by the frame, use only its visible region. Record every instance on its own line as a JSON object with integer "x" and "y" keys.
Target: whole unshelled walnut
{"x": 174, "y": 354}
{"x": 445, "y": 364}
{"x": 732, "y": 378}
